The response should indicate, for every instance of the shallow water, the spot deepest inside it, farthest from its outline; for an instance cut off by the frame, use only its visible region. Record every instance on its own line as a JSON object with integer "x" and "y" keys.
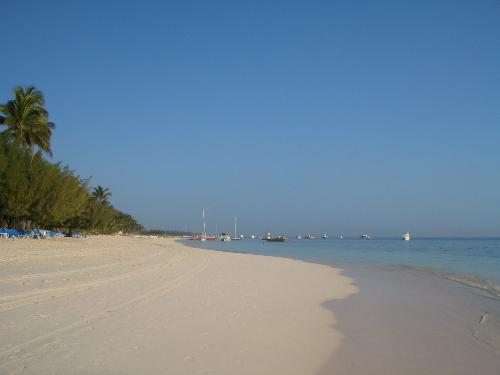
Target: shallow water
{"x": 413, "y": 323}
{"x": 474, "y": 262}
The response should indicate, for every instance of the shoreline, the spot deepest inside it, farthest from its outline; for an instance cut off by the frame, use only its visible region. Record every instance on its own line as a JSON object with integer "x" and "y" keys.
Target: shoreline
{"x": 468, "y": 280}
{"x": 126, "y": 305}
{"x": 412, "y": 321}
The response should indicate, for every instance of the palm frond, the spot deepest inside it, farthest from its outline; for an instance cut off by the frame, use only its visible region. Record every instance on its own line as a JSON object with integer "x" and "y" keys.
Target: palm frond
{"x": 27, "y": 120}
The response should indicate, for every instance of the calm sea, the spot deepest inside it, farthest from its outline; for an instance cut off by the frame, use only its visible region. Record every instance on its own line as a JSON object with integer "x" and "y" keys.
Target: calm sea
{"x": 474, "y": 262}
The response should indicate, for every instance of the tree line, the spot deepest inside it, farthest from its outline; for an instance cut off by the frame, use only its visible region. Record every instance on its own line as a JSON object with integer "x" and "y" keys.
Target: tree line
{"x": 167, "y": 233}
{"x": 35, "y": 193}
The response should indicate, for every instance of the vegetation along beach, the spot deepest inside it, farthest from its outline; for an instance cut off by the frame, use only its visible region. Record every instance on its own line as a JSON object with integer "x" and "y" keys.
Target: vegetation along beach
{"x": 265, "y": 187}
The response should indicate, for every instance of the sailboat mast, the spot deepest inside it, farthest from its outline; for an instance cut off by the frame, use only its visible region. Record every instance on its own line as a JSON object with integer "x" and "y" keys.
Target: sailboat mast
{"x": 203, "y": 214}
{"x": 235, "y": 221}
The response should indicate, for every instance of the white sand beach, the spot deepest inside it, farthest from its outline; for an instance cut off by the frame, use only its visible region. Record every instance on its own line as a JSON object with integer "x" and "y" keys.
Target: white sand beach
{"x": 124, "y": 305}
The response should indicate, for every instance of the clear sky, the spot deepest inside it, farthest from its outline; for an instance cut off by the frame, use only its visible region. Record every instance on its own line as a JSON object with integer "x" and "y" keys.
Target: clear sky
{"x": 296, "y": 116}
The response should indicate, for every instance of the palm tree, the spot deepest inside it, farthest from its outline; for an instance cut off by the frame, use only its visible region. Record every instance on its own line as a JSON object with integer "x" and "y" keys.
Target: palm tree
{"x": 101, "y": 195}
{"x": 27, "y": 120}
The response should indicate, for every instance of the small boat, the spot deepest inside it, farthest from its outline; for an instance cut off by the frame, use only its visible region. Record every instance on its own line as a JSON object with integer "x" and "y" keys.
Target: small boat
{"x": 365, "y": 237}
{"x": 324, "y": 237}
{"x": 236, "y": 237}
{"x": 406, "y": 236}
{"x": 299, "y": 237}
{"x": 276, "y": 239}
{"x": 225, "y": 237}
{"x": 252, "y": 236}
{"x": 203, "y": 236}
{"x": 309, "y": 237}
{"x": 341, "y": 237}
{"x": 198, "y": 237}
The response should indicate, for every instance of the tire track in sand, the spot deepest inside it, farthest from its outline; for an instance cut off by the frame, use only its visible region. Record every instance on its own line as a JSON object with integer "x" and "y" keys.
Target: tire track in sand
{"x": 10, "y": 355}
{"x": 33, "y": 276}
{"x": 18, "y": 300}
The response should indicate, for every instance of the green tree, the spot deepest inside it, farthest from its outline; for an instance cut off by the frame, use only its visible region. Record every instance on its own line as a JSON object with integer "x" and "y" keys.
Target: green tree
{"x": 101, "y": 195}
{"x": 37, "y": 193}
{"x": 15, "y": 192}
{"x": 27, "y": 120}
{"x": 34, "y": 192}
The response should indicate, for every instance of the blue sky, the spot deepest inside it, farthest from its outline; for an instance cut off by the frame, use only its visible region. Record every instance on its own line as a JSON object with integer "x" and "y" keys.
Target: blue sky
{"x": 296, "y": 116}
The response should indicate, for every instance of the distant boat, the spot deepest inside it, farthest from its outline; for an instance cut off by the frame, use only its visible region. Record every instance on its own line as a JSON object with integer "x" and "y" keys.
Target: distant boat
{"x": 276, "y": 239}
{"x": 341, "y": 237}
{"x": 198, "y": 237}
{"x": 406, "y": 236}
{"x": 324, "y": 236}
{"x": 204, "y": 236}
{"x": 299, "y": 237}
{"x": 236, "y": 238}
{"x": 365, "y": 237}
{"x": 309, "y": 237}
{"x": 252, "y": 236}
{"x": 225, "y": 237}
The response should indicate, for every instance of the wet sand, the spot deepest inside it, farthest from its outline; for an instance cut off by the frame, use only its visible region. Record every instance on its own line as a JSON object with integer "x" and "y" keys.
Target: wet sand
{"x": 122, "y": 305}
{"x": 403, "y": 322}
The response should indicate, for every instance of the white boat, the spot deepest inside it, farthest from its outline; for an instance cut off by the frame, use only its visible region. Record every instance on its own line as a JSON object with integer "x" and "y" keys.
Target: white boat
{"x": 225, "y": 237}
{"x": 299, "y": 237}
{"x": 309, "y": 237}
{"x": 324, "y": 236}
{"x": 406, "y": 236}
{"x": 365, "y": 237}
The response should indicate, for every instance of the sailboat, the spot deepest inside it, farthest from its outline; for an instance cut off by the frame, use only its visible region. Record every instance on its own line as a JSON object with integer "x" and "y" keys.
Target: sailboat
{"x": 406, "y": 236}
{"x": 236, "y": 238}
{"x": 204, "y": 236}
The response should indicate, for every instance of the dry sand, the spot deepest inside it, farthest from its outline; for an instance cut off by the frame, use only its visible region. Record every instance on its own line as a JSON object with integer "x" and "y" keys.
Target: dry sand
{"x": 123, "y": 305}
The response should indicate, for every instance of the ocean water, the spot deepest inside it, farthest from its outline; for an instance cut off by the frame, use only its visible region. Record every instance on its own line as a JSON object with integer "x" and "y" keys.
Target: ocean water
{"x": 473, "y": 262}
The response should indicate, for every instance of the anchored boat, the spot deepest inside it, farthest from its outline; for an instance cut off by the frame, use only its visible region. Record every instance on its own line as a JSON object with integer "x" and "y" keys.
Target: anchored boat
{"x": 276, "y": 239}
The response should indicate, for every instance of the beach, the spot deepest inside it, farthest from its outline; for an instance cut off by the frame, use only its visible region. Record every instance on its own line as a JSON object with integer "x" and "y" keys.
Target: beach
{"x": 129, "y": 305}
{"x": 405, "y": 318}
{"x": 406, "y": 322}
{"x": 125, "y": 305}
